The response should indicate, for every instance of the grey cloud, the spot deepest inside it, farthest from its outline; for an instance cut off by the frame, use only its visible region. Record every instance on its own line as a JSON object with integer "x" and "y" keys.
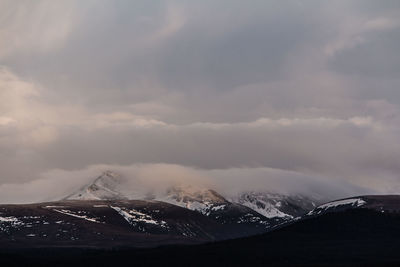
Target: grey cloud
{"x": 376, "y": 57}
{"x": 305, "y": 86}
{"x": 140, "y": 179}
{"x": 350, "y": 150}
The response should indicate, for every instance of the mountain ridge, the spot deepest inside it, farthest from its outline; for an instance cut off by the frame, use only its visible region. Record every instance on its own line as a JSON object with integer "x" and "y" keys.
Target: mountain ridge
{"x": 109, "y": 186}
{"x": 353, "y": 235}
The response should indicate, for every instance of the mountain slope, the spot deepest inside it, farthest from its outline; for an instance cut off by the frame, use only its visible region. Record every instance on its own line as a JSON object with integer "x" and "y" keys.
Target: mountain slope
{"x": 102, "y": 224}
{"x": 276, "y": 207}
{"x": 105, "y": 187}
{"x": 379, "y": 203}
{"x": 114, "y": 223}
{"x": 356, "y": 236}
{"x": 200, "y": 199}
{"x": 273, "y": 205}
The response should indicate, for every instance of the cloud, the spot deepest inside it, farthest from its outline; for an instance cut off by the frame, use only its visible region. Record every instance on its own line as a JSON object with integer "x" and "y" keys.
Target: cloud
{"x": 22, "y": 113}
{"x": 123, "y": 119}
{"x": 140, "y": 179}
{"x": 6, "y": 120}
{"x": 382, "y": 23}
{"x": 303, "y": 87}
{"x": 352, "y": 150}
{"x": 356, "y": 33}
{"x": 175, "y": 20}
{"x": 41, "y": 26}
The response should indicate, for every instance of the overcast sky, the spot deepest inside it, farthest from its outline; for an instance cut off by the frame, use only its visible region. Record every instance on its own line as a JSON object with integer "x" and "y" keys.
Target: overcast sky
{"x": 294, "y": 88}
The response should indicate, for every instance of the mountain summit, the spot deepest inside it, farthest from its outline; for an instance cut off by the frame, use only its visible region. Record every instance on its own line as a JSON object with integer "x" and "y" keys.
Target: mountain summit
{"x": 107, "y": 186}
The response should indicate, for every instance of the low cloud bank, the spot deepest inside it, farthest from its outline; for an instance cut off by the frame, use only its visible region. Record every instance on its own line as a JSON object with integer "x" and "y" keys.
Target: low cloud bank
{"x": 142, "y": 178}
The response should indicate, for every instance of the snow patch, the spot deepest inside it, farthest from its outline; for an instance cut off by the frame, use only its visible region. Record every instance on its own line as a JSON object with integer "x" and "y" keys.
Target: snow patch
{"x": 9, "y": 219}
{"x": 353, "y": 202}
{"x": 220, "y": 207}
{"x": 269, "y": 210}
{"x": 9, "y": 222}
{"x": 68, "y": 212}
{"x": 133, "y": 217}
{"x": 358, "y": 202}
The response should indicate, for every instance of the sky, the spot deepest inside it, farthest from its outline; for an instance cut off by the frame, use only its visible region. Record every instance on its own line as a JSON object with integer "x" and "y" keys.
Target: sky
{"x": 304, "y": 93}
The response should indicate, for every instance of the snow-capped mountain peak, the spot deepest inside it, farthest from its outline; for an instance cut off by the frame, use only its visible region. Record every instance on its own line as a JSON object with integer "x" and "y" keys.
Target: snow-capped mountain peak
{"x": 273, "y": 205}
{"x": 112, "y": 186}
{"x": 107, "y": 186}
{"x": 190, "y": 193}
{"x": 194, "y": 198}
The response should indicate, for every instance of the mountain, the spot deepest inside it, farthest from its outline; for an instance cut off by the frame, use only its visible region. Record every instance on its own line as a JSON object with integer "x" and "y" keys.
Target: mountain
{"x": 127, "y": 223}
{"x": 108, "y": 213}
{"x": 273, "y": 205}
{"x": 276, "y": 207}
{"x": 111, "y": 186}
{"x": 105, "y": 187}
{"x": 386, "y": 203}
{"x": 194, "y": 198}
{"x": 209, "y": 203}
{"x": 358, "y": 231}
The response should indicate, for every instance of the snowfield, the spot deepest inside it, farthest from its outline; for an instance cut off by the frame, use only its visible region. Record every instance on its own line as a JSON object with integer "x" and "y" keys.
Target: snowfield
{"x": 133, "y": 216}
{"x": 84, "y": 217}
{"x": 353, "y": 202}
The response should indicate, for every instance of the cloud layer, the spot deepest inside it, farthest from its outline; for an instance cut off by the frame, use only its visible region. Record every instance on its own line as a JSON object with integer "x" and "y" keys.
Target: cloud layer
{"x": 304, "y": 88}
{"x": 141, "y": 179}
